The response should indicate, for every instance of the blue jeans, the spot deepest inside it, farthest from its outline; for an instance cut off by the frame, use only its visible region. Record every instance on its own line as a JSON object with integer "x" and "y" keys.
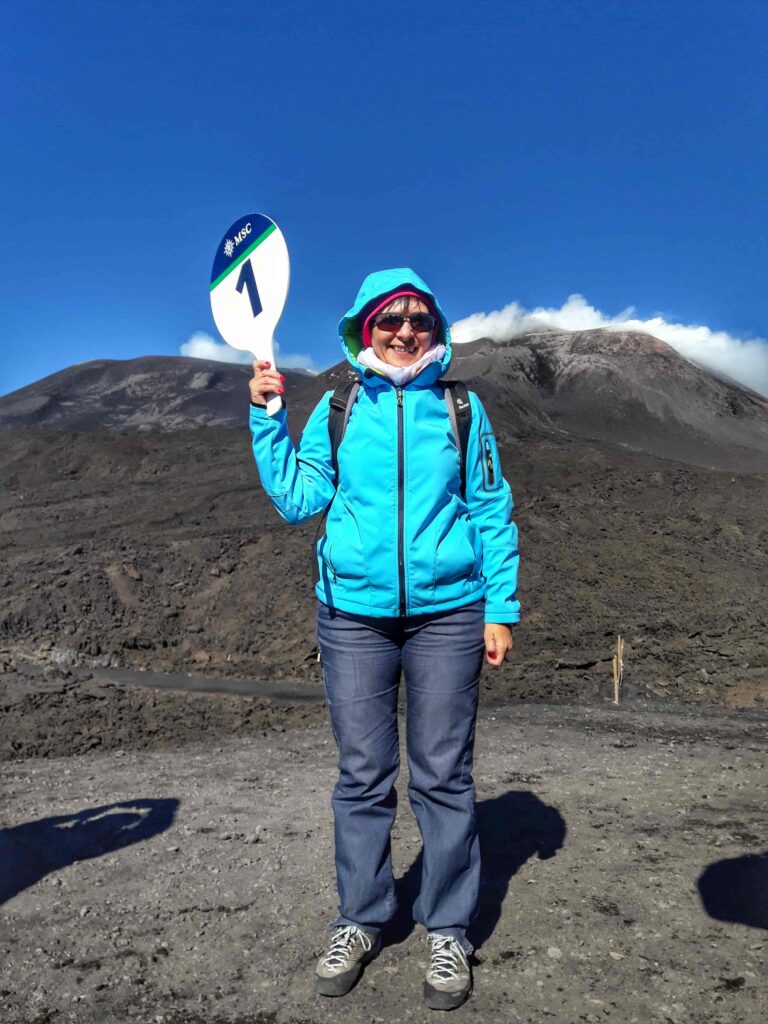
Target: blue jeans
{"x": 441, "y": 655}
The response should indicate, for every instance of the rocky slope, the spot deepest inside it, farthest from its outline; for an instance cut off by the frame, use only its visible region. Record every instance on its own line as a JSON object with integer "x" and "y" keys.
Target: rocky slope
{"x": 626, "y": 389}
{"x": 150, "y": 548}
{"x": 153, "y": 551}
{"x": 147, "y": 394}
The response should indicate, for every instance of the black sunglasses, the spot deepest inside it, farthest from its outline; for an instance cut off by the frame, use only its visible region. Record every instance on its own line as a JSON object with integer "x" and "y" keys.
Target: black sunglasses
{"x": 392, "y": 322}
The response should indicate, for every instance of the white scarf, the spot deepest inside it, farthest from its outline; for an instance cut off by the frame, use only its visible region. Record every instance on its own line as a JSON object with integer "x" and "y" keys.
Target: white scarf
{"x": 400, "y": 375}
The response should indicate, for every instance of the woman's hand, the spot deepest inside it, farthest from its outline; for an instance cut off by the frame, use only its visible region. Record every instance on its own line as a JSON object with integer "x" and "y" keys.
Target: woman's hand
{"x": 265, "y": 382}
{"x": 498, "y": 640}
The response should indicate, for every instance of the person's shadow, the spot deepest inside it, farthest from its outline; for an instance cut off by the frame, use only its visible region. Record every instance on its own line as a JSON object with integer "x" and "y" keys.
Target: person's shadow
{"x": 736, "y": 890}
{"x": 31, "y": 851}
{"x": 512, "y": 828}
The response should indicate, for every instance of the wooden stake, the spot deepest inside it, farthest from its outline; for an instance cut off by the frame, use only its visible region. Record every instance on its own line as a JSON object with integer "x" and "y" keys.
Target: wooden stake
{"x": 618, "y": 669}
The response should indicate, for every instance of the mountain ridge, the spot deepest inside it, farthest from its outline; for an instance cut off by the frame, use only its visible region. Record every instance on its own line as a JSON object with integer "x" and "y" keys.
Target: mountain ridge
{"x": 625, "y": 388}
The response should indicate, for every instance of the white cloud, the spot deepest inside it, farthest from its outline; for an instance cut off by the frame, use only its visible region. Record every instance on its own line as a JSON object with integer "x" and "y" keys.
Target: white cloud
{"x": 202, "y": 346}
{"x": 745, "y": 361}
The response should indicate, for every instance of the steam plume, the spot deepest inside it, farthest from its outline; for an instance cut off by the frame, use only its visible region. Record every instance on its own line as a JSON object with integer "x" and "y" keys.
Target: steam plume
{"x": 744, "y": 360}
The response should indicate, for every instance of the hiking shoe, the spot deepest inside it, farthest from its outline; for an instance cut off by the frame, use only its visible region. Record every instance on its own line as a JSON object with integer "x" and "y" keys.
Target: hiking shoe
{"x": 349, "y": 950}
{"x": 449, "y": 976}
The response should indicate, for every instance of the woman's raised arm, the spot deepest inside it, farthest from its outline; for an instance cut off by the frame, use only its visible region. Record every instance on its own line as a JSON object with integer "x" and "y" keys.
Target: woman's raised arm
{"x": 300, "y": 482}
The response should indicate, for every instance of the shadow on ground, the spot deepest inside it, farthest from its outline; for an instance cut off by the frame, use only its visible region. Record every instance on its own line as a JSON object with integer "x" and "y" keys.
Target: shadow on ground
{"x": 736, "y": 890}
{"x": 31, "y": 851}
{"x": 513, "y": 827}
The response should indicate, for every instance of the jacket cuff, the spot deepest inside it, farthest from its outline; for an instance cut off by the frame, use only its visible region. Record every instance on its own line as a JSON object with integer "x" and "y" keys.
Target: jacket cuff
{"x": 502, "y": 616}
{"x": 259, "y": 412}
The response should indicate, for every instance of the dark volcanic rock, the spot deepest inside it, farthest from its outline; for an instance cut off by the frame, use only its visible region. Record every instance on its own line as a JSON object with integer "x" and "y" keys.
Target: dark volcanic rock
{"x": 150, "y": 393}
{"x": 624, "y": 388}
{"x": 159, "y": 550}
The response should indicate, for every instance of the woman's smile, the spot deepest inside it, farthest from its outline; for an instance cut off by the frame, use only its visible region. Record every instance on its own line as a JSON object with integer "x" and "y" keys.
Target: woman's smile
{"x": 401, "y": 349}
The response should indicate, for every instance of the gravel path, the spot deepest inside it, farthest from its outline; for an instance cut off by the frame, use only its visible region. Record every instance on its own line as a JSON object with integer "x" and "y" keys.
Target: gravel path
{"x": 624, "y": 858}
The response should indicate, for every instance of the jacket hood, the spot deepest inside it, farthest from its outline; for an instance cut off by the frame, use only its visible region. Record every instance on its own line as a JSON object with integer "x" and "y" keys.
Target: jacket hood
{"x": 374, "y": 290}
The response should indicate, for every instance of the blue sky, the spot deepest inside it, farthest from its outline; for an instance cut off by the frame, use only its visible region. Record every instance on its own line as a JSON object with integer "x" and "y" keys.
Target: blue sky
{"x": 515, "y": 152}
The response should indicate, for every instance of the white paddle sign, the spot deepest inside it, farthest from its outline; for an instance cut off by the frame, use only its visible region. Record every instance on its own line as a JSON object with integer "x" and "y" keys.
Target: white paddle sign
{"x": 249, "y": 286}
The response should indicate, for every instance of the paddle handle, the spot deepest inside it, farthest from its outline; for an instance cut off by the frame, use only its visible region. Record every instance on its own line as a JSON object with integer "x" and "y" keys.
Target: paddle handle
{"x": 274, "y": 405}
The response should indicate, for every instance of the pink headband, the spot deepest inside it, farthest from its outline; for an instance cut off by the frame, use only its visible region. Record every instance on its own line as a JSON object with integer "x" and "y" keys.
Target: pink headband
{"x": 366, "y": 331}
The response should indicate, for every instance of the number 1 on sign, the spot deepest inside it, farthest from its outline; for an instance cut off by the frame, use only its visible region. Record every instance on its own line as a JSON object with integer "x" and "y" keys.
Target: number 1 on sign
{"x": 248, "y": 281}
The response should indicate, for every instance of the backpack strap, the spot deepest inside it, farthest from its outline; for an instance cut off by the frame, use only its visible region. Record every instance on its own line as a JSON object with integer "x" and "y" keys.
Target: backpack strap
{"x": 460, "y": 414}
{"x": 339, "y": 408}
{"x": 342, "y": 400}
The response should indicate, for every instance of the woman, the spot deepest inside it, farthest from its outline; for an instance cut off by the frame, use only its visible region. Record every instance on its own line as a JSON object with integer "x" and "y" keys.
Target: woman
{"x": 416, "y": 574}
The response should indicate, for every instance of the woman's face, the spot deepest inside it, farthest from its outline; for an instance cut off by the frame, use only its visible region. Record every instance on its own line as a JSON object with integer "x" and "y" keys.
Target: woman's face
{"x": 406, "y": 345}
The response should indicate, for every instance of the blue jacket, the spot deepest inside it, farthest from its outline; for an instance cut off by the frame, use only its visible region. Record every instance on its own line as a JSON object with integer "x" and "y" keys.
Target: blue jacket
{"x": 400, "y": 539}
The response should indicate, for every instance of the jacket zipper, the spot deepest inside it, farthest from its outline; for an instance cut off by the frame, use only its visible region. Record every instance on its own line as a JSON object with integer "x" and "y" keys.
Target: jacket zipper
{"x": 400, "y": 502}
{"x": 489, "y": 464}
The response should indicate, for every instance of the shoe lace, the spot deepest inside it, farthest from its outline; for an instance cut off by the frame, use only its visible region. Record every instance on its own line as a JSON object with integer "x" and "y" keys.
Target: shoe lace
{"x": 447, "y": 957}
{"x": 343, "y": 939}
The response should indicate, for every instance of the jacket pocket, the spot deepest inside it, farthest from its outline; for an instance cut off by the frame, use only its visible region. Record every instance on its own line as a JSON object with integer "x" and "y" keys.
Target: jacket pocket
{"x": 342, "y": 549}
{"x": 458, "y": 555}
{"x": 489, "y": 458}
